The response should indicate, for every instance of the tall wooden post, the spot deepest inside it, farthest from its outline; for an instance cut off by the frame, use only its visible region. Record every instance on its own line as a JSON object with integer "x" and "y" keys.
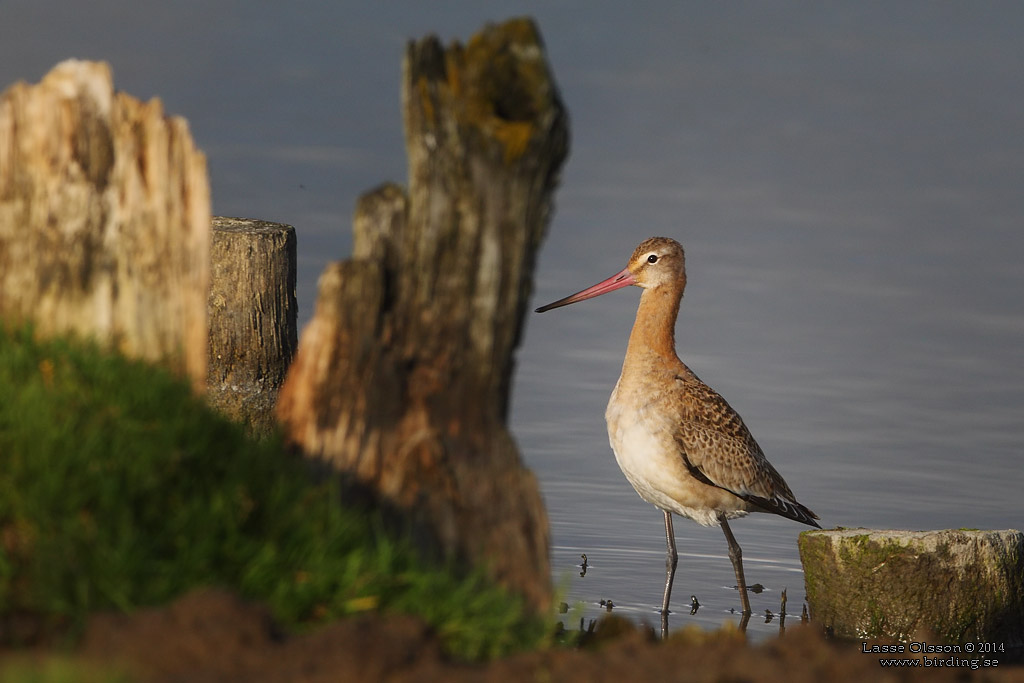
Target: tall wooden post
{"x": 402, "y": 377}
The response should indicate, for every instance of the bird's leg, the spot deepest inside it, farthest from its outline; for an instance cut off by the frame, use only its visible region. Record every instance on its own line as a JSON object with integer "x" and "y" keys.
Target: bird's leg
{"x": 736, "y": 555}
{"x": 671, "y": 560}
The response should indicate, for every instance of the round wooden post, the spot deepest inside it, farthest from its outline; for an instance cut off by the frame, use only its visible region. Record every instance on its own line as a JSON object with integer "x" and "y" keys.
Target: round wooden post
{"x": 252, "y": 317}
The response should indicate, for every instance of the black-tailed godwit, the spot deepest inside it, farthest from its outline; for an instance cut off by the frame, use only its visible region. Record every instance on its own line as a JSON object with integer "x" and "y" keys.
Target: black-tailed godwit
{"x": 681, "y": 446}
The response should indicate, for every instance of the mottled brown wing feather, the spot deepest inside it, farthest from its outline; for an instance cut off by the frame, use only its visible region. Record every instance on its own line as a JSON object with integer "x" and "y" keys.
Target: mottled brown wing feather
{"x": 720, "y": 451}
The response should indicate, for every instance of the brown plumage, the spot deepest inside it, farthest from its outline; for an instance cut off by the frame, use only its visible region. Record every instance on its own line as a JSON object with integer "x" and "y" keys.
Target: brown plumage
{"x": 679, "y": 443}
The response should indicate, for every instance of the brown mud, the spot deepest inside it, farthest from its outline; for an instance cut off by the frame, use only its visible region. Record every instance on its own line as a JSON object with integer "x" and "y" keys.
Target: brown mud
{"x": 212, "y": 635}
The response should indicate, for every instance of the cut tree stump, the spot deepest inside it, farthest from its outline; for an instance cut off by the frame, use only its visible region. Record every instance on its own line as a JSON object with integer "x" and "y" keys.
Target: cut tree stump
{"x": 402, "y": 376}
{"x": 958, "y": 585}
{"x": 252, "y": 317}
{"x": 104, "y": 218}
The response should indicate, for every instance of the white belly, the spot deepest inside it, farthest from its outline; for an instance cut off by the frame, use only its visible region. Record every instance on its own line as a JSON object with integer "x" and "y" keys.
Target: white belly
{"x": 647, "y": 454}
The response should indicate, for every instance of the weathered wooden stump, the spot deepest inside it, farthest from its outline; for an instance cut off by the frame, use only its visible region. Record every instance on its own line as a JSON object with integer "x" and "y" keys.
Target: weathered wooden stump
{"x": 402, "y": 377}
{"x": 252, "y": 318}
{"x": 958, "y": 585}
{"x": 104, "y": 218}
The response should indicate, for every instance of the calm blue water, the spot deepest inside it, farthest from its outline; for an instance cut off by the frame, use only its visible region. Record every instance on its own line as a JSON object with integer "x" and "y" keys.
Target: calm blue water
{"x": 847, "y": 180}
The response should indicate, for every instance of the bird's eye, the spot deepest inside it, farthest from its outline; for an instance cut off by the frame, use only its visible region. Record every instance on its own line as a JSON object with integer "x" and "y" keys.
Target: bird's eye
{"x": 653, "y": 258}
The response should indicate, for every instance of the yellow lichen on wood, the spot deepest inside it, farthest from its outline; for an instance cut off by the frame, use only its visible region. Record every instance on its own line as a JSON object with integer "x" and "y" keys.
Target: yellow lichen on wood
{"x": 514, "y": 136}
{"x": 454, "y": 62}
{"x": 426, "y": 101}
{"x": 502, "y": 84}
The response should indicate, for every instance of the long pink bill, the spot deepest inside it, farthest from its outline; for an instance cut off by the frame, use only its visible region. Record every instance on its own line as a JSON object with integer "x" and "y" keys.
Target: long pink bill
{"x": 617, "y": 281}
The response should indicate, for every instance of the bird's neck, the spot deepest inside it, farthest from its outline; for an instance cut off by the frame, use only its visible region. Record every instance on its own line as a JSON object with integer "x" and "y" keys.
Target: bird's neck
{"x": 654, "y": 332}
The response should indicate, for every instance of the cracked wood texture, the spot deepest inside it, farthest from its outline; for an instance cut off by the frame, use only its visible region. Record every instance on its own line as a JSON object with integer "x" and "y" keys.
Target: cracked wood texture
{"x": 104, "y": 218}
{"x": 252, "y": 318}
{"x": 402, "y": 377}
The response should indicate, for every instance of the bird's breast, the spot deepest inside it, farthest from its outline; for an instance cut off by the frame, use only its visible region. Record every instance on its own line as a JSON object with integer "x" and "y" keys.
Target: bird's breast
{"x": 641, "y": 428}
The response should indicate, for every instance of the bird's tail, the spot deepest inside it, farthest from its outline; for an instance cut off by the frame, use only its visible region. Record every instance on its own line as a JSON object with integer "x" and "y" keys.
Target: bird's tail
{"x": 790, "y": 509}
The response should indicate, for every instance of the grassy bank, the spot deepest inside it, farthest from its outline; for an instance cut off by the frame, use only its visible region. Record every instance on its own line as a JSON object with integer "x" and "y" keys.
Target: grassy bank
{"x": 119, "y": 489}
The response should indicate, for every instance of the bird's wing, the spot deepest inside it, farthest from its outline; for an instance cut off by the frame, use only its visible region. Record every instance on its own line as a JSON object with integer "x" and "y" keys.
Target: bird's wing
{"x": 720, "y": 451}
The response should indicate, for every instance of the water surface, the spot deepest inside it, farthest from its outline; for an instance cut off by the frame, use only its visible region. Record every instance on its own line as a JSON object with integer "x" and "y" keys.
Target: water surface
{"x": 846, "y": 178}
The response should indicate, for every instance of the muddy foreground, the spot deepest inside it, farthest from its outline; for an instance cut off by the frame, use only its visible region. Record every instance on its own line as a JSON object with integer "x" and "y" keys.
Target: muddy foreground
{"x": 214, "y": 636}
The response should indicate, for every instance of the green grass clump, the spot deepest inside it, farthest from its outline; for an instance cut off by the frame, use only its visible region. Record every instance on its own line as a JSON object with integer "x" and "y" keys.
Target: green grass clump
{"x": 56, "y": 669}
{"x": 120, "y": 489}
